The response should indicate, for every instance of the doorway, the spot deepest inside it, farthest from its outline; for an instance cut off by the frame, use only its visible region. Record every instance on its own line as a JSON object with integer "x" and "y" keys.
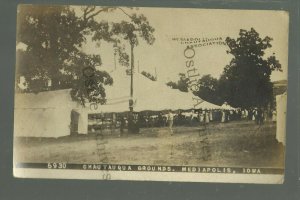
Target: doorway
{"x": 74, "y": 122}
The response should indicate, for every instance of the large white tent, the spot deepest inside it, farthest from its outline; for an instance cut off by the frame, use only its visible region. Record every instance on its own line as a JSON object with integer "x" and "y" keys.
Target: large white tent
{"x": 201, "y": 104}
{"x": 226, "y": 106}
{"x": 48, "y": 114}
{"x": 147, "y": 95}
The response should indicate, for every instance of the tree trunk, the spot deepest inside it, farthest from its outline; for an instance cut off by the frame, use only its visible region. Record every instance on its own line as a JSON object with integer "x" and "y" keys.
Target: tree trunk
{"x": 54, "y": 83}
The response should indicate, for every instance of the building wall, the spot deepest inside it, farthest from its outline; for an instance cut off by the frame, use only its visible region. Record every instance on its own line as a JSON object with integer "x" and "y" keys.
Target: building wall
{"x": 42, "y": 122}
{"x": 47, "y": 114}
{"x": 281, "y": 107}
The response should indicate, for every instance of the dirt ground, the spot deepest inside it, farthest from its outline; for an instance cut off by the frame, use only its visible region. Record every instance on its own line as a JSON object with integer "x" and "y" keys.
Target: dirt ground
{"x": 233, "y": 144}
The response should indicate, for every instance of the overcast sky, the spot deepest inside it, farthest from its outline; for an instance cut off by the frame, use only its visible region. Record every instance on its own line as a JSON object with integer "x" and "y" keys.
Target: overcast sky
{"x": 167, "y": 56}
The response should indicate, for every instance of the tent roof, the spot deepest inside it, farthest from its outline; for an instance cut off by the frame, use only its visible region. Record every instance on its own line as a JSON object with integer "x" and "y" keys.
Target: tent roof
{"x": 226, "y": 106}
{"x": 147, "y": 95}
{"x": 46, "y": 99}
{"x": 207, "y": 105}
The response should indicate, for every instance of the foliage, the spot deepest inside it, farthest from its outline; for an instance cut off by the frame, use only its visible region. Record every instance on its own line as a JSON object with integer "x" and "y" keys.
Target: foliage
{"x": 137, "y": 27}
{"x": 181, "y": 84}
{"x": 53, "y": 36}
{"x": 245, "y": 82}
{"x": 209, "y": 89}
{"x": 149, "y": 76}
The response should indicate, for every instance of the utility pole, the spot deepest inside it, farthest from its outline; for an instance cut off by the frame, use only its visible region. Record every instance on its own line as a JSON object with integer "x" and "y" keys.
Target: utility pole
{"x": 132, "y": 68}
{"x": 115, "y": 53}
{"x": 131, "y": 77}
{"x": 131, "y": 124}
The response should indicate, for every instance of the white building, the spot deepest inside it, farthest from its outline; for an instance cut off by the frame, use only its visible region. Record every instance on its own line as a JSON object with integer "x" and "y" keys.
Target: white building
{"x": 281, "y": 107}
{"x": 48, "y": 114}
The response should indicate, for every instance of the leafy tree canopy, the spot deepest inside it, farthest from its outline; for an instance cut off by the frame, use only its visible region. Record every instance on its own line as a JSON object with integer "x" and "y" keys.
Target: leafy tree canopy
{"x": 181, "y": 84}
{"x": 209, "y": 89}
{"x": 245, "y": 82}
{"x": 138, "y": 27}
{"x": 53, "y": 36}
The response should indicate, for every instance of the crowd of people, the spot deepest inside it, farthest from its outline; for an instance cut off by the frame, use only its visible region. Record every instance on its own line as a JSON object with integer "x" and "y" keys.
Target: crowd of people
{"x": 133, "y": 121}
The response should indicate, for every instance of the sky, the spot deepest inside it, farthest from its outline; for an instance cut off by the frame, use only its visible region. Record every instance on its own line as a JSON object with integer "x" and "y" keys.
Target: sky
{"x": 166, "y": 56}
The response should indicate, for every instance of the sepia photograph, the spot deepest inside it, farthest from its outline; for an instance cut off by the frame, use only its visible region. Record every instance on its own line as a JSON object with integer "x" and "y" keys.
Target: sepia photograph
{"x": 150, "y": 94}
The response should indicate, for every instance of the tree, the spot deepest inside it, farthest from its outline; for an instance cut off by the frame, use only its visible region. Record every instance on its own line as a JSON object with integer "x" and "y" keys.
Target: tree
{"x": 245, "y": 81}
{"x": 181, "y": 84}
{"x": 52, "y": 59}
{"x": 137, "y": 27}
{"x": 209, "y": 89}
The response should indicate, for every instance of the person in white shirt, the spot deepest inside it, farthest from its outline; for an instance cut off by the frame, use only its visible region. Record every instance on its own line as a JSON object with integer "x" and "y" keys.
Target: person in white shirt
{"x": 170, "y": 121}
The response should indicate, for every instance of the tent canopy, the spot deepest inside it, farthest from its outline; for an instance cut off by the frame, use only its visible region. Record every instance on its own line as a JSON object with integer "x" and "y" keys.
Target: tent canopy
{"x": 226, "y": 106}
{"x": 147, "y": 95}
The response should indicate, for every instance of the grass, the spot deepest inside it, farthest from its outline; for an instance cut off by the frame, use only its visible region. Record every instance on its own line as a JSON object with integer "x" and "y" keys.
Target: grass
{"x": 234, "y": 144}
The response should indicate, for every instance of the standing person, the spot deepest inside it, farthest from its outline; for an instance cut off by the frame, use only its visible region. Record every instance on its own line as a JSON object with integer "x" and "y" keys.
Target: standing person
{"x": 122, "y": 125}
{"x": 151, "y": 122}
{"x": 194, "y": 118}
{"x": 136, "y": 122}
{"x": 250, "y": 113}
{"x": 130, "y": 123}
{"x": 199, "y": 116}
{"x": 160, "y": 120}
{"x": 180, "y": 119}
{"x": 246, "y": 114}
{"x": 170, "y": 121}
{"x": 211, "y": 115}
{"x": 202, "y": 117}
{"x": 254, "y": 115}
{"x": 206, "y": 117}
{"x": 260, "y": 116}
{"x": 113, "y": 124}
{"x": 223, "y": 118}
{"x": 146, "y": 118}
{"x": 243, "y": 115}
{"x": 257, "y": 116}
{"x": 274, "y": 116}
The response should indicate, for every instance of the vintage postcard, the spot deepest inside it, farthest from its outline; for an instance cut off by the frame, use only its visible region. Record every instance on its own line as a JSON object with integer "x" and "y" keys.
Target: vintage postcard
{"x": 159, "y": 94}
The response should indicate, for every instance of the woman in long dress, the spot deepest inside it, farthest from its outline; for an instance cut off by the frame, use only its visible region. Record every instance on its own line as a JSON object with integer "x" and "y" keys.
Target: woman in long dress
{"x": 223, "y": 119}
{"x": 211, "y": 115}
{"x": 207, "y": 117}
{"x": 274, "y": 116}
{"x": 170, "y": 122}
